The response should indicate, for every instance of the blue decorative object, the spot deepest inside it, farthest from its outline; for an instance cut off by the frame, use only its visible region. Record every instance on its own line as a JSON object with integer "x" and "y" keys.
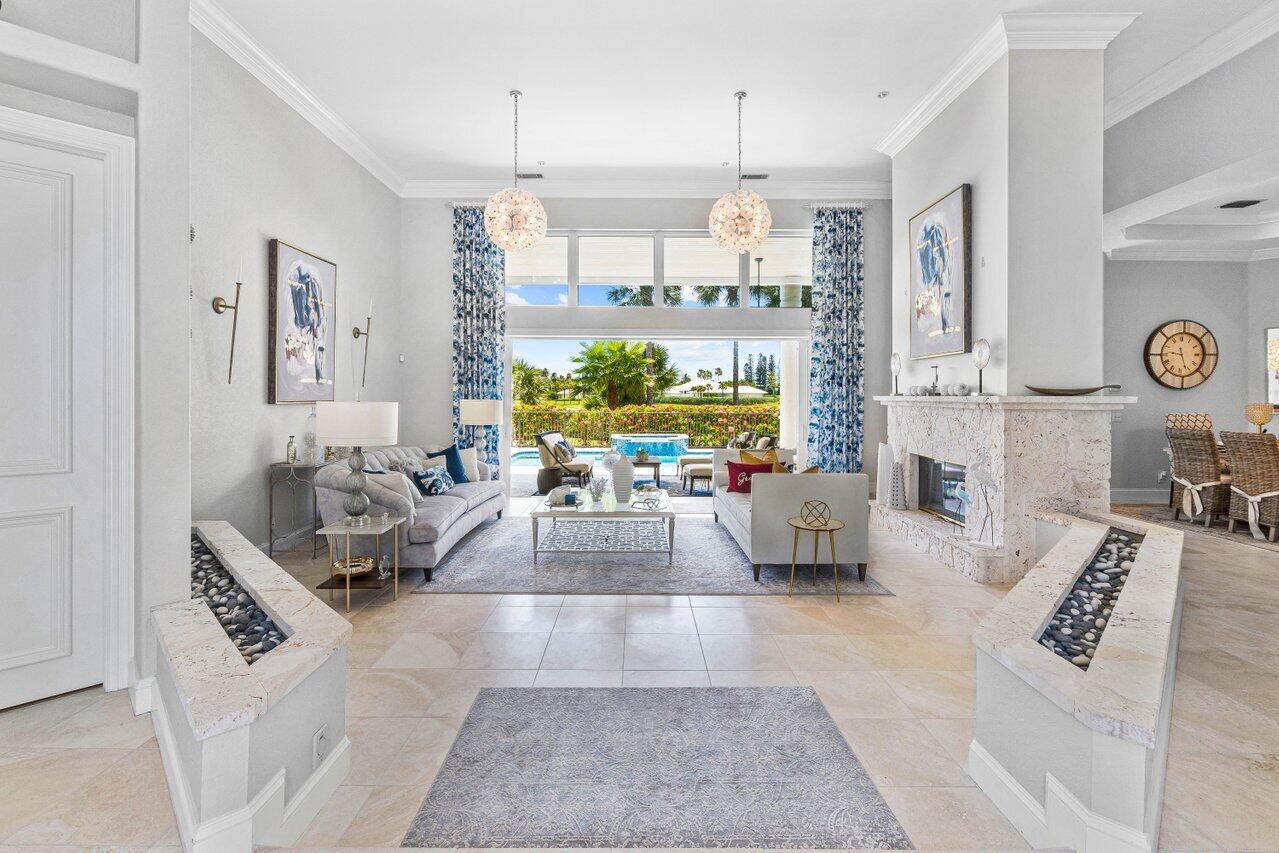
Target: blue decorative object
{"x": 479, "y": 326}
{"x": 452, "y": 463}
{"x": 433, "y": 481}
{"x": 835, "y": 374}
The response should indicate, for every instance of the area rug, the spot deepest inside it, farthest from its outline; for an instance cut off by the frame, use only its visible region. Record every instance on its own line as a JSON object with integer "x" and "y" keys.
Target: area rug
{"x": 650, "y": 767}
{"x": 1160, "y": 514}
{"x": 498, "y": 557}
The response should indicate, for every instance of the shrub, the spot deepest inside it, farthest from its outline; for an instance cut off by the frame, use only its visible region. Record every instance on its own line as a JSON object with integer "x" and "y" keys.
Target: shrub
{"x": 706, "y": 425}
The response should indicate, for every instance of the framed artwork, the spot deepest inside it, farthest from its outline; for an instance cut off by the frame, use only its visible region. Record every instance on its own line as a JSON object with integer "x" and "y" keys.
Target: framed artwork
{"x": 302, "y": 326}
{"x": 1272, "y": 366}
{"x": 940, "y": 272}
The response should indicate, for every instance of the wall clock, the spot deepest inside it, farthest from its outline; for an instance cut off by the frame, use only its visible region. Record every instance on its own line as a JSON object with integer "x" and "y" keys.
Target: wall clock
{"x": 1181, "y": 354}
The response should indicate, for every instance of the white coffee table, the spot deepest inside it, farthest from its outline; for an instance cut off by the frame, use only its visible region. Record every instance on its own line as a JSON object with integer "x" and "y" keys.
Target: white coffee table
{"x": 606, "y": 509}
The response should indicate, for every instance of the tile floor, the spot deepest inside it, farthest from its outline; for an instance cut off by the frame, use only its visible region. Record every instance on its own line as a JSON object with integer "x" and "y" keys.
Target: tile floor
{"x": 895, "y": 673}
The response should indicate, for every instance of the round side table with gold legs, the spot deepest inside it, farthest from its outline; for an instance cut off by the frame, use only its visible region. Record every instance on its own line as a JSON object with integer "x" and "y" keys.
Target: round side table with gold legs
{"x": 818, "y": 526}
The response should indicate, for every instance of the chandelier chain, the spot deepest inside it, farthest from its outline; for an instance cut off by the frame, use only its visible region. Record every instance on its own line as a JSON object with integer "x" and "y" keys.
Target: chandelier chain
{"x": 516, "y": 96}
{"x": 741, "y": 96}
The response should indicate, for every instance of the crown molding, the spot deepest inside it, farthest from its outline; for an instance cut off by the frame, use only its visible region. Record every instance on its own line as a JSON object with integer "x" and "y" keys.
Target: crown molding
{"x": 222, "y": 30}
{"x": 1012, "y": 31}
{"x": 1204, "y": 254}
{"x": 1220, "y": 47}
{"x": 807, "y": 190}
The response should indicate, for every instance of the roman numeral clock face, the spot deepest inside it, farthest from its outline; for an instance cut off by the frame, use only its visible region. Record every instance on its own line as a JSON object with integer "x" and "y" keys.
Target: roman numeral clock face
{"x": 1181, "y": 354}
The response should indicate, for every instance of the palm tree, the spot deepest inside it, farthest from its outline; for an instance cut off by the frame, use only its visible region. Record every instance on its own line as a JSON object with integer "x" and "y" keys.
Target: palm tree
{"x": 631, "y": 296}
{"x": 615, "y": 372}
{"x": 528, "y": 383}
{"x": 665, "y": 373}
{"x": 709, "y": 294}
{"x": 735, "y": 374}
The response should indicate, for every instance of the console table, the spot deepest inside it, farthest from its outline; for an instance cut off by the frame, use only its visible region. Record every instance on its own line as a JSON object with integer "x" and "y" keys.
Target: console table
{"x": 293, "y": 475}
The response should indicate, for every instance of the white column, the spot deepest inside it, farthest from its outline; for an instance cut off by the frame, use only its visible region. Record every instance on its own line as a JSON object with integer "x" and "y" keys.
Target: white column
{"x": 788, "y": 373}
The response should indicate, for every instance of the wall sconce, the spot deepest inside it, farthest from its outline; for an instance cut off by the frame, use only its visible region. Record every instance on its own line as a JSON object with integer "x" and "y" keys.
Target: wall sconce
{"x": 221, "y": 306}
{"x": 358, "y": 333}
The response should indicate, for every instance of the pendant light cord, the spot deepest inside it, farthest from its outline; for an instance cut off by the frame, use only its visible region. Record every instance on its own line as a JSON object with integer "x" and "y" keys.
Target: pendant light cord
{"x": 516, "y": 95}
{"x": 741, "y": 96}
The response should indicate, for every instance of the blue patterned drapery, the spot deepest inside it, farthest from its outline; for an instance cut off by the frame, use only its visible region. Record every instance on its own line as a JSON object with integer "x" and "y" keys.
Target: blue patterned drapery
{"x": 479, "y": 324}
{"x": 838, "y": 326}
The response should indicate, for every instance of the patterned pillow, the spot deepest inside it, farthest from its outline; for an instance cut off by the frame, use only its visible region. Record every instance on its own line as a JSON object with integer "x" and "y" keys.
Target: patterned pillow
{"x": 433, "y": 481}
{"x": 563, "y": 451}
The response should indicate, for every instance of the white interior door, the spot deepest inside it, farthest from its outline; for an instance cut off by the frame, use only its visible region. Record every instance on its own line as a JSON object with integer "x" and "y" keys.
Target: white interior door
{"x": 52, "y": 420}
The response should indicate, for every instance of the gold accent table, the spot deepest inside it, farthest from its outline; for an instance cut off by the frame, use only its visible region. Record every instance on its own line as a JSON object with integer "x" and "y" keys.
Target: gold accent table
{"x": 828, "y": 527}
{"x": 375, "y": 528}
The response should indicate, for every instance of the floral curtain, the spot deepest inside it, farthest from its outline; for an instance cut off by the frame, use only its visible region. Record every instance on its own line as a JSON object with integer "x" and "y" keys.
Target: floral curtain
{"x": 835, "y": 374}
{"x": 479, "y": 325}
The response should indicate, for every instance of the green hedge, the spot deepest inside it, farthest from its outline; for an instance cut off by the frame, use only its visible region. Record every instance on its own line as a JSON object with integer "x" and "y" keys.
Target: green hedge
{"x": 706, "y": 426}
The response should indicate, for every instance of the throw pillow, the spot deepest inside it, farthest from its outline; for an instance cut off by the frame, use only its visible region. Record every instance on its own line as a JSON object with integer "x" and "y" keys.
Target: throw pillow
{"x": 749, "y": 458}
{"x": 372, "y": 466}
{"x": 739, "y": 475}
{"x": 470, "y": 462}
{"x": 563, "y": 451}
{"x": 779, "y": 468}
{"x": 433, "y": 481}
{"x": 452, "y": 462}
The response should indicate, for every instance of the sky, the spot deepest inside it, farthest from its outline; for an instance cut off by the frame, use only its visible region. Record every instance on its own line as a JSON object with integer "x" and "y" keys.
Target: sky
{"x": 688, "y": 356}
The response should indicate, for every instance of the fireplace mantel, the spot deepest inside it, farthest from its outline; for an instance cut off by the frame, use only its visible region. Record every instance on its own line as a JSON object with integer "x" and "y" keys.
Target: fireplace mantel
{"x": 1022, "y": 454}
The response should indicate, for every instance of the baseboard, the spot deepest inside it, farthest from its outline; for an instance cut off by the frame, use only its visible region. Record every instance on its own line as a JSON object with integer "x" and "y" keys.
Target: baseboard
{"x": 139, "y": 690}
{"x": 1139, "y": 496}
{"x": 1061, "y": 821}
{"x": 289, "y": 541}
{"x": 283, "y": 829}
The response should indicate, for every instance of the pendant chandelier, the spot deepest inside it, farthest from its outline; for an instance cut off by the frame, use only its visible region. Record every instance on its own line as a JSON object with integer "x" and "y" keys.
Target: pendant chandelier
{"x": 514, "y": 219}
{"x": 740, "y": 220}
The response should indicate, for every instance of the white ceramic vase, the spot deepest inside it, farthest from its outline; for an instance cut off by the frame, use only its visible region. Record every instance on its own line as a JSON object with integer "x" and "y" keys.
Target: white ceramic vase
{"x": 623, "y": 480}
{"x": 609, "y": 459}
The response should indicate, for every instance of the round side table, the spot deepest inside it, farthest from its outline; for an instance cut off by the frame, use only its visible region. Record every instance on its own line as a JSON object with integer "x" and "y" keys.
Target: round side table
{"x": 828, "y": 527}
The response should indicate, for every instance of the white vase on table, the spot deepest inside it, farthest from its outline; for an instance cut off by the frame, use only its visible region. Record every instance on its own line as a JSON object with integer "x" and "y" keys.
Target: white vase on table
{"x": 623, "y": 480}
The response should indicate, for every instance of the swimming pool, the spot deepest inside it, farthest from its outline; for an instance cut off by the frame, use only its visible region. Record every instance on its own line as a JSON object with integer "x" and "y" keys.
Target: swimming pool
{"x": 528, "y": 458}
{"x": 667, "y": 446}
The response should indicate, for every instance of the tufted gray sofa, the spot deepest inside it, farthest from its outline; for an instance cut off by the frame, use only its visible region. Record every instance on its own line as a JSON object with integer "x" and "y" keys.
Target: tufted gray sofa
{"x": 436, "y": 523}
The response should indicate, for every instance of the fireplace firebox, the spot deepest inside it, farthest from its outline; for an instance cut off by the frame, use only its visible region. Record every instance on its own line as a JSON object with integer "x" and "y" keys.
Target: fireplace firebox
{"x": 940, "y": 486}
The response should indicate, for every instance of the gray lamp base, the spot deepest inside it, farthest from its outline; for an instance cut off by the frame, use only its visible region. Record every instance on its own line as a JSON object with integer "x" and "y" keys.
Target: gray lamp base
{"x": 356, "y": 502}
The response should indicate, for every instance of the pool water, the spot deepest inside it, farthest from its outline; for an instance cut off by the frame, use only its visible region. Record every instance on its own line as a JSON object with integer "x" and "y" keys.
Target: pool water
{"x": 529, "y": 458}
{"x": 667, "y": 446}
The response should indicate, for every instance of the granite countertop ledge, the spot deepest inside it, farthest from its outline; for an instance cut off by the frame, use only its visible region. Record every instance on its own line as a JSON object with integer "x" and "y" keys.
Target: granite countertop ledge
{"x": 219, "y": 691}
{"x": 1022, "y": 401}
{"x": 1121, "y": 692}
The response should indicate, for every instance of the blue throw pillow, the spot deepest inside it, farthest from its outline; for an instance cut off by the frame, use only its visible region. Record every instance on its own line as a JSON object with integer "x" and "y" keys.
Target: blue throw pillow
{"x": 433, "y": 481}
{"x": 452, "y": 463}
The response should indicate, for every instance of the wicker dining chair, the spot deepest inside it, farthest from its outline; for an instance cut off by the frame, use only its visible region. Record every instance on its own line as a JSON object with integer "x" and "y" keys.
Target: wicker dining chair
{"x": 1196, "y": 460}
{"x": 1254, "y": 467}
{"x": 1184, "y": 420}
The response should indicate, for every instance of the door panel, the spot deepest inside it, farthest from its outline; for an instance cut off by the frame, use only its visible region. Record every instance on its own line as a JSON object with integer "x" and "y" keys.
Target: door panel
{"x": 52, "y": 448}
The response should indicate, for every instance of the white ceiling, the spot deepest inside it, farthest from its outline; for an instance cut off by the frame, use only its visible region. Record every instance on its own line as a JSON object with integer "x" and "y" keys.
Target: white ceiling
{"x": 643, "y": 90}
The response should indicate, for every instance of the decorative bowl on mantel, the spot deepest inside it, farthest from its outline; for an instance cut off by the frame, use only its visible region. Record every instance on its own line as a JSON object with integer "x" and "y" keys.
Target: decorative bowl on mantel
{"x": 1071, "y": 392}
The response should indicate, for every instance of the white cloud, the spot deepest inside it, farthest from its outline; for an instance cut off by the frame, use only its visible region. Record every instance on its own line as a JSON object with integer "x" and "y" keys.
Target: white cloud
{"x": 561, "y": 298}
{"x": 515, "y": 299}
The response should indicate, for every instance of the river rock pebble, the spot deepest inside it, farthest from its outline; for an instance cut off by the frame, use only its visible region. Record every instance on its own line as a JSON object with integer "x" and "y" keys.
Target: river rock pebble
{"x": 246, "y": 624}
{"x": 1078, "y": 626}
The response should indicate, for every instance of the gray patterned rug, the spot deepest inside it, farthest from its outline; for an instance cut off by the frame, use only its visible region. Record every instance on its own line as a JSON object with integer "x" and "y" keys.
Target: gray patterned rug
{"x": 498, "y": 557}
{"x": 1162, "y": 514}
{"x": 648, "y": 767}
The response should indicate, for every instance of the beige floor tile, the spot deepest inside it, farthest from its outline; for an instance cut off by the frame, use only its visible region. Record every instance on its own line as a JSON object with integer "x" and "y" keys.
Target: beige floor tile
{"x": 888, "y": 652}
{"x": 18, "y": 724}
{"x": 327, "y": 827}
{"x": 665, "y": 678}
{"x": 424, "y": 651}
{"x": 384, "y": 817}
{"x": 954, "y": 735}
{"x": 424, "y": 692}
{"x": 595, "y": 601}
{"x": 578, "y": 678}
{"x": 732, "y": 620}
{"x": 128, "y": 803}
{"x": 663, "y": 651}
{"x": 1230, "y": 798}
{"x": 43, "y": 777}
{"x": 521, "y": 619}
{"x": 423, "y": 752}
{"x": 934, "y": 694}
{"x": 375, "y": 742}
{"x": 952, "y": 819}
{"x": 398, "y": 620}
{"x": 800, "y": 620}
{"x": 108, "y": 723}
{"x": 901, "y": 753}
{"x": 742, "y": 651}
{"x": 530, "y": 600}
{"x": 657, "y": 601}
{"x": 855, "y": 694}
{"x": 752, "y": 678}
{"x": 660, "y": 620}
{"x": 821, "y": 651}
{"x": 445, "y": 619}
{"x": 732, "y": 600}
{"x": 591, "y": 620}
{"x": 506, "y": 650}
{"x": 869, "y": 619}
{"x": 1206, "y": 719}
{"x": 453, "y": 599}
{"x": 365, "y": 648}
{"x": 584, "y": 651}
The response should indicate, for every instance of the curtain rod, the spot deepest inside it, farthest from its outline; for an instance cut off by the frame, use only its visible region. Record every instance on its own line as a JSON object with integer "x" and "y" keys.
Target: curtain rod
{"x": 464, "y": 204}
{"x": 837, "y": 205}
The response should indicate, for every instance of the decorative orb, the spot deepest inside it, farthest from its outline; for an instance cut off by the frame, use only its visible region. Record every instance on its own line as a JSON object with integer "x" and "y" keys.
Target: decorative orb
{"x": 816, "y": 513}
{"x": 981, "y": 353}
{"x": 895, "y": 364}
{"x": 740, "y": 221}
{"x": 514, "y": 219}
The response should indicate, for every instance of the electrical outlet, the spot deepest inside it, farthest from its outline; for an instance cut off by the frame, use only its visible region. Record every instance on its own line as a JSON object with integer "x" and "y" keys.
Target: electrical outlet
{"x": 1163, "y": 475}
{"x": 319, "y": 746}
{"x": 1116, "y": 417}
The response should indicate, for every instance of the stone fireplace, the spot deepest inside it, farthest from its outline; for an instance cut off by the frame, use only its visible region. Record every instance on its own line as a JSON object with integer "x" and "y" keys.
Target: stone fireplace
{"x": 1013, "y": 456}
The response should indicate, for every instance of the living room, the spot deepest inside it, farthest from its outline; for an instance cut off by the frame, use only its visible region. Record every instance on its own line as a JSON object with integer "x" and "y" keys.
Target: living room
{"x": 848, "y": 433}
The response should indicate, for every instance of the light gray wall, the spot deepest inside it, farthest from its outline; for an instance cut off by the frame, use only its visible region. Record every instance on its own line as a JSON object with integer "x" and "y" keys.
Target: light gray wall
{"x": 426, "y": 294}
{"x": 1222, "y": 117}
{"x": 967, "y": 143}
{"x": 1141, "y": 295}
{"x": 1263, "y": 313}
{"x": 260, "y": 171}
{"x": 109, "y": 26}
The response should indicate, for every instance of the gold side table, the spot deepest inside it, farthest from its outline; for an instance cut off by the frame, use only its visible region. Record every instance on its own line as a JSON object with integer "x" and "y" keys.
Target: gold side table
{"x": 375, "y": 528}
{"x": 828, "y": 527}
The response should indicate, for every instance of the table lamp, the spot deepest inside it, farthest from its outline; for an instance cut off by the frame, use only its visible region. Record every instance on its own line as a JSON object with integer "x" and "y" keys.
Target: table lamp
{"x": 356, "y": 425}
{"x": 1258, "y": 414}
{"x": 473, "y": 413}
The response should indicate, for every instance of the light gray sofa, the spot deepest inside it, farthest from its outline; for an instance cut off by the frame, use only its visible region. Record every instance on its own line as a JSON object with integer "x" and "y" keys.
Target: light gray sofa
{"x": 436, "y": 522}
{"x": 758, "y": 519}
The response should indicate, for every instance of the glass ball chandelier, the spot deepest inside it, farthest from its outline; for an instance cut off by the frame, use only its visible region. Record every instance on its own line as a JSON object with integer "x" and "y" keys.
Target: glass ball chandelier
{"x": 514, "y": 219}
{"x": 740, "y": 220}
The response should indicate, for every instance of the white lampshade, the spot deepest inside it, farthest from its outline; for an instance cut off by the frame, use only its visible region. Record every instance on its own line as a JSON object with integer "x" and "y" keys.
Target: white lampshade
{"x": 479, "y": 412}
{"x": 357, "y": 424}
